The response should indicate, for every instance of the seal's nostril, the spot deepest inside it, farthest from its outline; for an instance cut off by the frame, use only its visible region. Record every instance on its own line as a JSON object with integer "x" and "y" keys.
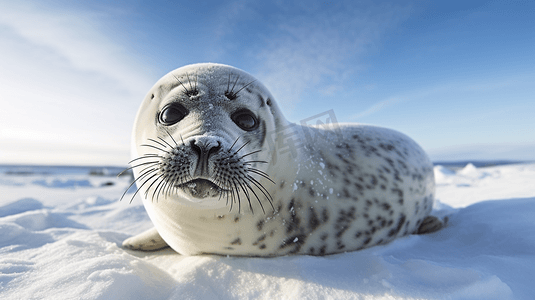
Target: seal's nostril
{"x": 196, "y": 148}
{"x": 203, "y": 150}
{"x": 215, "y": 149}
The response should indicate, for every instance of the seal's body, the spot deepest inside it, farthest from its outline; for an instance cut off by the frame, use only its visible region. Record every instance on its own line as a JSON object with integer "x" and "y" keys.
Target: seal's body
{"x": 221, "y": 171}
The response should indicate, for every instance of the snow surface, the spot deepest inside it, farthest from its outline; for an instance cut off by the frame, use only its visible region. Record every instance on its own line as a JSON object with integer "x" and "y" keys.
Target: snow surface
{"x": 61, "y": 230}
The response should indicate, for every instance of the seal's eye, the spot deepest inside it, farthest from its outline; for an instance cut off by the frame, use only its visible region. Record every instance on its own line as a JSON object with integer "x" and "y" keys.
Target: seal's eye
{"x": 172, "y": 113}
{"x": 245, "y": 119}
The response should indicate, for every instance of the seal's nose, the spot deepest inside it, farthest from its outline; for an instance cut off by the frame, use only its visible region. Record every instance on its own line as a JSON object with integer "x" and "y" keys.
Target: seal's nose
{"x": 204, "y": 149}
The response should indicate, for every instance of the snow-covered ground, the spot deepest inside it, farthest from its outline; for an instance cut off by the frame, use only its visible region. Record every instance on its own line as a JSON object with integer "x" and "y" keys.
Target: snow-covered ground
{"x": 61, "y": 230}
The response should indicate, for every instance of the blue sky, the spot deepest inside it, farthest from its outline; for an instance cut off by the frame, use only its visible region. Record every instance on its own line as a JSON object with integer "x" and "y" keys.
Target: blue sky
{"x": 456, "y": 76}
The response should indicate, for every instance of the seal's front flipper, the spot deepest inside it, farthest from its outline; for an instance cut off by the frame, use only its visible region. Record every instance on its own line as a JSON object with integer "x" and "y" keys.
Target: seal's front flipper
{"x": 149, "y": 240}
{"x": 431, "y": 224}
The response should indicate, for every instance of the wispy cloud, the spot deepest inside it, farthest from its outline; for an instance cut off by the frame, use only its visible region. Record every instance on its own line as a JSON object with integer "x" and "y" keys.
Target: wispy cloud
{"x": 377, "y": 107}
{"x": 318, "y": 47}
{"x": 64, "y": 81}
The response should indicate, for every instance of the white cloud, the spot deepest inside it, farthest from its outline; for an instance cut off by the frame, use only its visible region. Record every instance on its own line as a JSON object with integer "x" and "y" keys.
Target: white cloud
{"x": 68, "y": 90}
{"x": 377, "y": 107}
{"x": 319, "y": 47}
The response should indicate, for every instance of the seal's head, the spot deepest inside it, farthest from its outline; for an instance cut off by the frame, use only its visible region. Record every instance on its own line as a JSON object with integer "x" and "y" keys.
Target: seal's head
{"x": 200, "y": 138}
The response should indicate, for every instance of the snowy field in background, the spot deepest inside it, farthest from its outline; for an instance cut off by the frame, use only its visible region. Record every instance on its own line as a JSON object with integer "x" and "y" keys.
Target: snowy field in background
{"x": 61, "y": 230}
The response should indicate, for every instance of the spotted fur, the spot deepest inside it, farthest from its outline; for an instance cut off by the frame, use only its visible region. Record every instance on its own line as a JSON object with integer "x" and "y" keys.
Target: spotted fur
{"x": 318, "y": 190}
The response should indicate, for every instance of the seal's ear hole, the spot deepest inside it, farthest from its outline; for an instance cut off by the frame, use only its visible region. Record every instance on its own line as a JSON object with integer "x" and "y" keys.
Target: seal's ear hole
{"x": 172, "y": 113}
{"x": 245, "y": 119}
{"x": 268, "y": 102}
{"x": 151, "y": 96}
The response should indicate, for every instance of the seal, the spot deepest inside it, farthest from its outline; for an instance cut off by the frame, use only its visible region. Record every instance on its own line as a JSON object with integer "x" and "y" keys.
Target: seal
{"x": 221, "y": 171}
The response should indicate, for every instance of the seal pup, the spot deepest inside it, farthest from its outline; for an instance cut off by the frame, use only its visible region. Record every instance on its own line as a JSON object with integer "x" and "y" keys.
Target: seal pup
{"x": 221, "y": 171}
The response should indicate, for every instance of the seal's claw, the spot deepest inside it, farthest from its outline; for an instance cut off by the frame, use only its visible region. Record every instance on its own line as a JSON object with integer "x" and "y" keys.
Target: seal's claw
{"x": 431, "y": 224}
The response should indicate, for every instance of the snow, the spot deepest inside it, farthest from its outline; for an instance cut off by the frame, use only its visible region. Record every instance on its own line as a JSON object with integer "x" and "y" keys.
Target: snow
{"x": 61, "y": 230}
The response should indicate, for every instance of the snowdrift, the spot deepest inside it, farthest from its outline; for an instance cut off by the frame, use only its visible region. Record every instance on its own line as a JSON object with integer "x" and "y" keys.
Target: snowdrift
{"x": 61, "y": 230}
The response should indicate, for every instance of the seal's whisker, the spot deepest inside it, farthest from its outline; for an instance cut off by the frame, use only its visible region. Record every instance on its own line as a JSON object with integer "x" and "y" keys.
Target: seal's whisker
{"x": 261, "y": 173}
{"x": 220, "y": 195}
{"x": 250, "y": 153}
{"x": 167, "y": 187}
{"x": 193, "y": 90}
{"x": 174, "y": 139}
{"x": 229, "y": 149}
{"x": 236, "y": 81}
{"x": 152, "y": 146}
{"x": 257, "y": 198}
{"x": 183, "y": 86}
{"x": 165, "y": 144}
{"x": 236, "y": 152}
{"x": 246, "y": 195}
{"x": 250, "y": 162}
{"x": 141, "y": 177}
{"x": 156, "y": 189}
{"x": 145, "y": 156}
{"x": 139, "y": 165}
{"x": 155, "y": 141}
{"x": 232, "y": 200}
{"x": 261, "y": 188}
{"x": 237, "y": 195}
{"x": 148, "y": 188}
{"x": 228, "y": 82}
{"x": 244, "y": 87}
{"x": 144, "y": 163}
{"x": 131, "y": 167}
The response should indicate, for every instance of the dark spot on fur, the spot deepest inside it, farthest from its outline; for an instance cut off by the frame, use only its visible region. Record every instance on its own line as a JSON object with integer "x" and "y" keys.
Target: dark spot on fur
{"x": 295, "y": 241}
{"x": 236, "y": 242}
{"x": 294, "y": 221}
{"x": 260, "y": 225}
{"x": 325, "y": 215}
{"x": 263, "y": 246}
{"x": 344, "y": 220}
{"x": 236, "y": 220}
{"x": 396, "y": 230}
{"x": 323, "y": 249}
{"x": 367, "y": 241}
{"x": 260, "y": 239}
{"x": 313, "y": 221}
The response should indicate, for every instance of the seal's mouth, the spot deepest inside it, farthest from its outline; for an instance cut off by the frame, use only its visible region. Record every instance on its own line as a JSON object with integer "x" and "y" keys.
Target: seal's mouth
{"x": 201, "y": 188}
